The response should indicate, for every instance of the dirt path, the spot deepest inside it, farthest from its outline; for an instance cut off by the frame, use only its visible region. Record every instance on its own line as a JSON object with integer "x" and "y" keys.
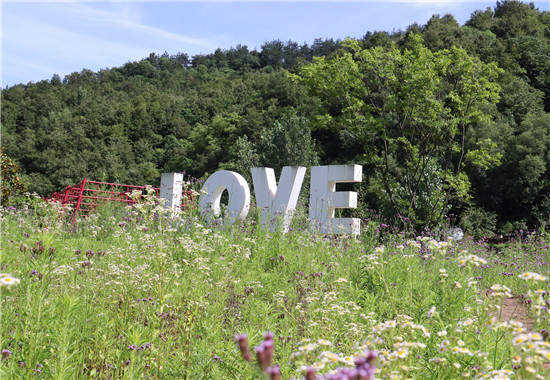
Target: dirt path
{"x": 513, "y": 308}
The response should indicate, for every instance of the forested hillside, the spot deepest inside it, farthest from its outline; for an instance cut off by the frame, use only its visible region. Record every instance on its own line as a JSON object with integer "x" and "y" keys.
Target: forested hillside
{"x": 446, "y": 119}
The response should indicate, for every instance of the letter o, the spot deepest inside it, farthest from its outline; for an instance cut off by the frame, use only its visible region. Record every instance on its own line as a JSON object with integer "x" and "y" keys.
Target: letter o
{"x": 239, "y": 196}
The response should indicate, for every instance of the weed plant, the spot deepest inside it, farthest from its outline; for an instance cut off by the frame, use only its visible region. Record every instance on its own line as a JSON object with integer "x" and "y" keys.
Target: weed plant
{"x": 133, "y": 292}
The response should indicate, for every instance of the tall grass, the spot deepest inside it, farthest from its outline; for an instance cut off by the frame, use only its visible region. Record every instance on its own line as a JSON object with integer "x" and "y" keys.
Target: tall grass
{"x": 132, "y": 293}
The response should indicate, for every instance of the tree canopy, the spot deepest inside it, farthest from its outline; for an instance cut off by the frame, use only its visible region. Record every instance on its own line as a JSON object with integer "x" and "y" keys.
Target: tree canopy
{"x": 407, "y": 112}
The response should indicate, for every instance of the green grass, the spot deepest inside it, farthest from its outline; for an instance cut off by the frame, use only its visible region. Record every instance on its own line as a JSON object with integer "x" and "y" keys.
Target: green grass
{"x": 130, "y": 294}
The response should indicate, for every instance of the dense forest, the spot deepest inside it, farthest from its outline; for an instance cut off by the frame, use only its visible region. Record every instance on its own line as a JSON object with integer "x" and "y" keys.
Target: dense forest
{"x": 445, "y": 119}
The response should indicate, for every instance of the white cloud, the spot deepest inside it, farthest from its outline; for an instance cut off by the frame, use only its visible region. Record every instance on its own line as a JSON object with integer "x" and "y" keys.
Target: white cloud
{"x": 73, "y": 36}
{"x": 127, "y": 18}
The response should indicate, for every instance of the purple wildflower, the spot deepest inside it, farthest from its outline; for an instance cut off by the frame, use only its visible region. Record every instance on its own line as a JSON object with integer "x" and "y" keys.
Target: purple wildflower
{"x": 243, "y": 346}
{"x": 274, "y": 373}
{"x": 310, "y": 373}
{"x": 264, "y": 354}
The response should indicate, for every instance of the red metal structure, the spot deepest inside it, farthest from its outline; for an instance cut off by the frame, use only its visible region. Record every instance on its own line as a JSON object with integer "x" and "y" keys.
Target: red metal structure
{"x": 87, "y": 195}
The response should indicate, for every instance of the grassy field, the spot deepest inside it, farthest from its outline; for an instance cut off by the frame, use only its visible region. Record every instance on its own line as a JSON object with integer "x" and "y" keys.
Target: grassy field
{"x": 130, "y": 294}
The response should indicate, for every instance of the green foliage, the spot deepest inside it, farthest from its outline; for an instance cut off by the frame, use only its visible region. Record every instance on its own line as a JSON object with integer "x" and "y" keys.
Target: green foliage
{"x": 408, "y": 110}
{"x": 518, "y": 187}
{"x": 287, "y": 143}
{"x": 486, "y": 156}
{"x": 12, "y": 186}
{"x": 478, "y": 223}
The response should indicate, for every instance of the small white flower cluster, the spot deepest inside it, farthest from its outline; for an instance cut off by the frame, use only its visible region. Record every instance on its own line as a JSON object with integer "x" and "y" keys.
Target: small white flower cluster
{"x": 279, "y": 297}
{"x": 438, "y": 246}
{"x": 499, "y": 374}
{"x": 414, "y": 244}
{"x": 533, "y": 350}
{"x": 471, "y": 260}
{"x": 327, "y": 360}
{"x": 513, "y": 326}
{"x": 500, "y": 291}
{"x": 532, "y": 276}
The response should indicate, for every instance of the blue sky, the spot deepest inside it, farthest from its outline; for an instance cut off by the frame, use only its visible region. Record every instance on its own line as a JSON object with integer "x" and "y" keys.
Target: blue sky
{"x": 43, "y": 38}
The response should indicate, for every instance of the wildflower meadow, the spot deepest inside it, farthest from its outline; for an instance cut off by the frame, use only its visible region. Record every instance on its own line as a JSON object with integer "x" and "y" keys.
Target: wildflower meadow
{"x": 135, "y": 293}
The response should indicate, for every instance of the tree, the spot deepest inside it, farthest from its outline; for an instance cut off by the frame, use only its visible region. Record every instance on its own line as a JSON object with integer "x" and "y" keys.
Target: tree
{"x": 408, "y": 111}
{"x": 272, "y": 54}
{"x": 10, "y": 182}
{"x": 441, "y": 32}
{"x": 521, "y": 185}
{"x": 287, "y": 142}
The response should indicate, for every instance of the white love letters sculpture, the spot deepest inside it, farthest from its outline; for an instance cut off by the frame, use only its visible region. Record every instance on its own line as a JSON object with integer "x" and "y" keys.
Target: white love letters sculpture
{"x": 279, "y": 202}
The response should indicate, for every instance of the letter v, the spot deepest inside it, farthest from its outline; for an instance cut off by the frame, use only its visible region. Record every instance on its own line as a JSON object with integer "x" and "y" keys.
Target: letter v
{"x": 277, "y": 204}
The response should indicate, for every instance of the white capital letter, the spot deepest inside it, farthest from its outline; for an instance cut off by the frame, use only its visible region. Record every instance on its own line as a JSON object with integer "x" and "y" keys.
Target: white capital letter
{"x": 277, "y": 203}
{"x": 239, "y": 196}
{"x": 323, "y": 198}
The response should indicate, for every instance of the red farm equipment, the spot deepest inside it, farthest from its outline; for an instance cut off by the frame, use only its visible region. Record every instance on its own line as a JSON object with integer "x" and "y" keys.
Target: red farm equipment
{"x": 87, "y": 195}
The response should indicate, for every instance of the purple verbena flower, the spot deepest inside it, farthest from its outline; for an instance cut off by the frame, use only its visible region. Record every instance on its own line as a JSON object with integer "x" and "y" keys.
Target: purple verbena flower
{"x": 274, "y": 373}
{"x": 243, "y": 346}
